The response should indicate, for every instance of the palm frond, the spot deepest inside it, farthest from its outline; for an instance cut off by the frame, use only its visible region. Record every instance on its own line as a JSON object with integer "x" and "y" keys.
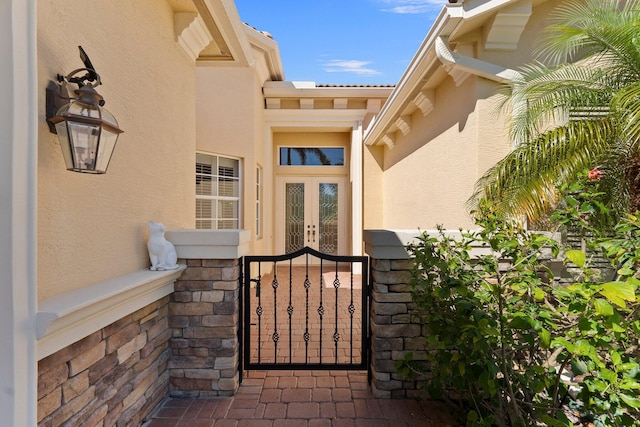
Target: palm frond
{"x": 579, "y": 29}
{"x": 581, "y": 111}
{"x": 525, "y": 181}
{"x": 544, "y": 96}
{"x": 627, "y": 102}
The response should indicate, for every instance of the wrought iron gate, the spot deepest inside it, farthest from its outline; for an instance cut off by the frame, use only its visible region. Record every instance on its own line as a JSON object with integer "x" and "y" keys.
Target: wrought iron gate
{"x": 305, "y": 310}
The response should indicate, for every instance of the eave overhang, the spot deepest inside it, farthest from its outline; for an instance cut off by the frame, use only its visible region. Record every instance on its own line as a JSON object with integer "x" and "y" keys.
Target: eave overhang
{"x": 210, "y": 32}
{"x": 503, "y": 21}
{"x": 266, "y": 47}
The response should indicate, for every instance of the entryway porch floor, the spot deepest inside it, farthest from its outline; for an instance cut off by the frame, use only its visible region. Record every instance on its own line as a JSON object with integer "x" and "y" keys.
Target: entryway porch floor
{"x": 301, "y": 399}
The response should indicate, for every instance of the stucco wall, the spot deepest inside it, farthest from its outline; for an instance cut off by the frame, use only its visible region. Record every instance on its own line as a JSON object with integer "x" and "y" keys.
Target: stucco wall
{"x": 429, "y": 175}
{"x": 229, "y": 123}
{"x": 94, "y": 227}
{"x": 373, "y": 157}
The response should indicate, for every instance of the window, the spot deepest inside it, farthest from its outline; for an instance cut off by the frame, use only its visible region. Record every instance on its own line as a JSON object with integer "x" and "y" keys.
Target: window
{"x": 311, "y": 156}
{"x": 217, "y": 192}
{"x": 258, "y": 202}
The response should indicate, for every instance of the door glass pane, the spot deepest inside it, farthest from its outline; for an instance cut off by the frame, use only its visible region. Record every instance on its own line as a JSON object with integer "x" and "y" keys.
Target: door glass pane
{"x": 328, "y": 218}
{"x": 294, "y": 220}
{"x": 311, "y": 156}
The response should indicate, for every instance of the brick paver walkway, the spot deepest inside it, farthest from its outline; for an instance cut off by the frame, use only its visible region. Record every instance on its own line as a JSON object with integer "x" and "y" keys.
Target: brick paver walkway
{"x": 301, "y": 399}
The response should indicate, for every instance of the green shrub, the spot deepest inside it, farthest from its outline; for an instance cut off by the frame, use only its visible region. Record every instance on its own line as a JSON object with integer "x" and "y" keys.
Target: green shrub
{"x": 509, "y": 346}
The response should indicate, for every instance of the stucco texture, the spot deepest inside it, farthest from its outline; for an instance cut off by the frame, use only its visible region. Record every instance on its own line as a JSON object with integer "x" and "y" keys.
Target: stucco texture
{"x": 429, "y": 175}
{"x": 229, "y": 123}
{"x": 93, "y": 227}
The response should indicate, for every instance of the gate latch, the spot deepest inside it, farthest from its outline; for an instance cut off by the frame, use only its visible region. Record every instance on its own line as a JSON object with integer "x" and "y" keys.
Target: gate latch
{"x": 257, "y": 282}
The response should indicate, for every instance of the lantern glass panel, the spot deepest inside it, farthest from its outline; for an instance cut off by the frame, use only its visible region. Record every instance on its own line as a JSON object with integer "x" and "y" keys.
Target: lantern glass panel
{"x": 107, "y": 145}
{"x": 84, "y": 148}
{"x": 63, "y": 137}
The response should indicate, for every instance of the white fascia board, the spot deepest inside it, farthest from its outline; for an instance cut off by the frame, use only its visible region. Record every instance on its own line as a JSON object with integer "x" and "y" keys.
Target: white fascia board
{"x": 314, "y": 119}
{"x": 269, "y": 49}
{"x": 473, "y": 8}
{"x": 291, "y": 89}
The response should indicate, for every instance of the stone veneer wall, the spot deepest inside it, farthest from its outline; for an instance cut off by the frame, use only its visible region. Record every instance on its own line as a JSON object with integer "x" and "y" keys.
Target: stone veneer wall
{"x": 204, "y": 315}
{"x": 115, "y": 376}
{"x": 394, "y": 330}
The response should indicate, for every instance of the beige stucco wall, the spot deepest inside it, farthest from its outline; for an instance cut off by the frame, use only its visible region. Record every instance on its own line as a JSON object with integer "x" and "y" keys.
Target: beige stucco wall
{"x": 372, "y": 159}
{"x": 93, "y": 227}
{"x": 230, "y": 123}
{"x": 430, "y": 173}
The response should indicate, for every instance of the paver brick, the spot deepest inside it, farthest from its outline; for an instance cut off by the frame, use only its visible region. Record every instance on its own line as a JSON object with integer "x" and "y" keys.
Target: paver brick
{"x": 296, "y": 395}
{"x": 304, "y": 410}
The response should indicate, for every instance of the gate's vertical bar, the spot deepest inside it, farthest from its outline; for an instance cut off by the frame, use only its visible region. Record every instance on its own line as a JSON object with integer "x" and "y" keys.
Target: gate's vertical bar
{"x": 320, "y": 312}
{"x": 240, "y": 321}
{"x": 290, "y": 310}
{"x": 352, "y": 310}
{"x": 336, "y": 334}
{"x": 259, "y": 310}
{"x": 307, "y": 285}
{"x": 275, "y": 337}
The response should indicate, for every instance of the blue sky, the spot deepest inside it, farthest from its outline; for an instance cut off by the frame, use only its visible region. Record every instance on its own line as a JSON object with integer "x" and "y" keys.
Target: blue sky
{"x": 364, "y": 42}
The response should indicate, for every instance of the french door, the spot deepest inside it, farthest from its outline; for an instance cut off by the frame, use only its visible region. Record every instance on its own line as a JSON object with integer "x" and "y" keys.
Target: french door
{"x": 314, "y": 214}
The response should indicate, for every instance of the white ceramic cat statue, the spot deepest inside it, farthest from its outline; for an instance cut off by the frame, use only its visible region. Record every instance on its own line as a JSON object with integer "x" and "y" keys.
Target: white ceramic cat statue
{"x": 162, "y": 253}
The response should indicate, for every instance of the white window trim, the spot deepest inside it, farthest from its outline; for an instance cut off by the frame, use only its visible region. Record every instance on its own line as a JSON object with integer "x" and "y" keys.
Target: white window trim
{"x": 241, "y": 179}
{"x": 259, "y": 195}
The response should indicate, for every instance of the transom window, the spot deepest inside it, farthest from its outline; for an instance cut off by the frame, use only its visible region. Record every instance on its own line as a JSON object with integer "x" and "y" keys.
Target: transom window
{"x": 311, "y": 156}
{"x": 217, "y": 192}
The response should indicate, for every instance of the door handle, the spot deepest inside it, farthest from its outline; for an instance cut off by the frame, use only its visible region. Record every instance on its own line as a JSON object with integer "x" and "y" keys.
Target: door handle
{"x": 314, "y": 234}
{"x": 308, "y": 233}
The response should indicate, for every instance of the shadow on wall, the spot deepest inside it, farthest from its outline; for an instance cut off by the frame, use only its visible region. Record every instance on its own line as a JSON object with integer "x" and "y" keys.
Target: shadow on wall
{"x": 453, "y": 106}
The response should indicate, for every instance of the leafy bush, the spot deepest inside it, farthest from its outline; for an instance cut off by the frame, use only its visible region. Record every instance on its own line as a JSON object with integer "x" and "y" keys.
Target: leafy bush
{"x": 509, "y": 346}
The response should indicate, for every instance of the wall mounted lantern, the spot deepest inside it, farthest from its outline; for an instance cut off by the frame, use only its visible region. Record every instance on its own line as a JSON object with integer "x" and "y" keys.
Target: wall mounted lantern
{"x": 87, "y": 132}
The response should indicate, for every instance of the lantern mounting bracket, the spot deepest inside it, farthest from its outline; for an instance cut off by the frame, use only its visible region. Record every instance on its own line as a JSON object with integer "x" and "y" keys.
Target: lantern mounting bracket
{"x": 58, "y": 93}
{"x": 91, "y": 75}
{"x": 87, "y": 132}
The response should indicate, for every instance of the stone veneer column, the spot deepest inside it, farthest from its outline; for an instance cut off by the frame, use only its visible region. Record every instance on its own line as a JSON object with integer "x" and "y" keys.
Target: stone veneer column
{"x": 204, "y": 313}
{"x": 394, "y": 330}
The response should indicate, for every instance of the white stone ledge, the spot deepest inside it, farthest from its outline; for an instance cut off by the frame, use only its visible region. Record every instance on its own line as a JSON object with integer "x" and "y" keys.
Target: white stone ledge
{"x": 210, "y": 244}
{"x": 392, "y": 244}
{"x": 65, "y": 319}
{"x": 388, "y": 244}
